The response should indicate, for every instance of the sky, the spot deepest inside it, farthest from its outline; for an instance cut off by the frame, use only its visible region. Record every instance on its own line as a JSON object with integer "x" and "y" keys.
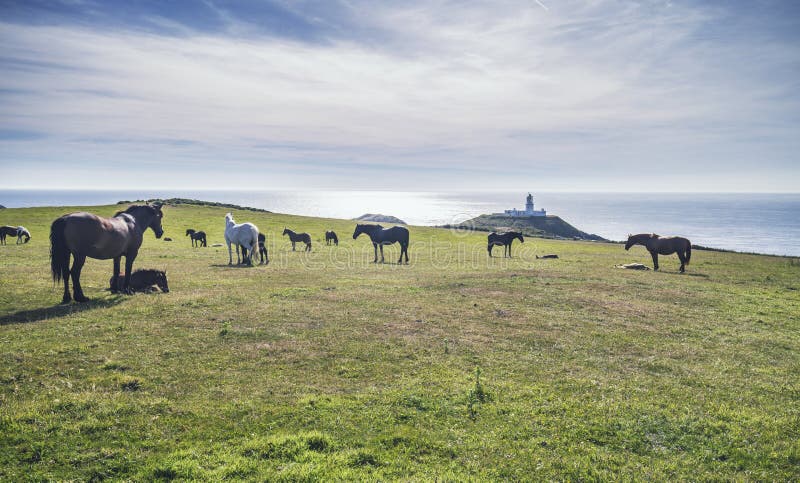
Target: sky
{"x": 593, "y": 95}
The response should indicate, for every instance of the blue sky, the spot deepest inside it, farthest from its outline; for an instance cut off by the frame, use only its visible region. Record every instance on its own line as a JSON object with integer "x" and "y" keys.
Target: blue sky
{"x": 596, "y": 95}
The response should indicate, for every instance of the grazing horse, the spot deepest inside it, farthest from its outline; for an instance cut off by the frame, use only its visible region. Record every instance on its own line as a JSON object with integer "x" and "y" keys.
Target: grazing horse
{"x": 198, "y": 238}
{"x": 667, "y": 245}
{"x": 142, "y": 280}
{"x": 505, "y": 240}
{"x": 6, "y": 231}
{"x": 244, "y": 235}
{"x": 330, "y": 237}
{"x": 23, "y": 232}
{"x": 298, "y": 237}
{"x": 262, "y": 249}
{"x": 385, "y": 236}
{"x": 86, "y": 235}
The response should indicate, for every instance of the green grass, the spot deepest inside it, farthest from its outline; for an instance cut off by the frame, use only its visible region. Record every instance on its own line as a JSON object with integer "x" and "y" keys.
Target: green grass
{"x": 456, "y": 367}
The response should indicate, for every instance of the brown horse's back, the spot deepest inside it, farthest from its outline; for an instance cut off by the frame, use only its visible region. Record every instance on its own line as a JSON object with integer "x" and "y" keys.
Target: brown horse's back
{"x": 96, "y": 237}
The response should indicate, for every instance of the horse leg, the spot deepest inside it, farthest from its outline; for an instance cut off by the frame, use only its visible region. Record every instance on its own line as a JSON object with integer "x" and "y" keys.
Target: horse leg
{"x": 308, "y": 247}
{"x": 375, "y": 247}
{"x": 65, "y": 276}
{"x": 126, "y": 287}
{"x": 489, "y": 249}
{"x": 77, "y": 291}
{"x": 230, "y": 255}
{"x": 655, "y": 260}
{"x": 682, "y": 258}
{"x": 115, "y": 285}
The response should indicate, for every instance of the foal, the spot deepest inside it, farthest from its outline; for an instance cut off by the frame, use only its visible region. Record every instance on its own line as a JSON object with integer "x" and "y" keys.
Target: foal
{"x": 298, "y": 237}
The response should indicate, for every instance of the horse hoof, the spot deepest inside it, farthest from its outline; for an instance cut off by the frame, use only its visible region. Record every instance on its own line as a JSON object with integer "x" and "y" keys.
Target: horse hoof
{"x": 81, "y": 299}
{"x": 66, "y": 300}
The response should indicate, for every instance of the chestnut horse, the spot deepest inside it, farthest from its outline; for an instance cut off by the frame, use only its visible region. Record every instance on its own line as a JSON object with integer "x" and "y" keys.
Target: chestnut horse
{"x": 86, "y": 235}
{"x": 667, "y": 245}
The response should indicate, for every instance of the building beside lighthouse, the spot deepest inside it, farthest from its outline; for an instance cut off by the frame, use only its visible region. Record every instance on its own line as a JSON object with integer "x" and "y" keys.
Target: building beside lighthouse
{"x": 528, "y": 211}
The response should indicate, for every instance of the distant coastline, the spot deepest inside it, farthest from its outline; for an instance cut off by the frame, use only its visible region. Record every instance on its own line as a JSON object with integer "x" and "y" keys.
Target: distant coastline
{"x": 745, "y": 223}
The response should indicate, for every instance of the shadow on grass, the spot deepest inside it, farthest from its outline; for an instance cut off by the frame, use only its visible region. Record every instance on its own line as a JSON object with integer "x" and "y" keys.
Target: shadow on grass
{"x": 44, "y": 313}
{"x": 685, "y": 274}
{"x": 225, "y": 265}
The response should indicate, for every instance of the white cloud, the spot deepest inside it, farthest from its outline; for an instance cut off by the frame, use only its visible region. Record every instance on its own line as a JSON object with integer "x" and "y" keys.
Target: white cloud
{"x": 580, "y": 88}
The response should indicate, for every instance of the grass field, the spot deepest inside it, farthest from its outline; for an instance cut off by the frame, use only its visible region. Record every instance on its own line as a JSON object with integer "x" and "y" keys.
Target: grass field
{"x": 455, "y": 367}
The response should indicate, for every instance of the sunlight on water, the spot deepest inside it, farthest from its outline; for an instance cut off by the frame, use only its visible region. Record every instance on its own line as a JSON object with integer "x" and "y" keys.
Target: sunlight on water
{"x": 764, "y": 223}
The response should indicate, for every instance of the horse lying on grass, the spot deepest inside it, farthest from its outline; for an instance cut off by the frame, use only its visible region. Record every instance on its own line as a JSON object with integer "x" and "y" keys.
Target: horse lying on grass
{"x": 142, "y": 281}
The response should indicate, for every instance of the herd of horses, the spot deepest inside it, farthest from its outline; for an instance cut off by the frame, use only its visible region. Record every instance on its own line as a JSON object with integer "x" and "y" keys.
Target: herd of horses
{"x": 85, "y": 235}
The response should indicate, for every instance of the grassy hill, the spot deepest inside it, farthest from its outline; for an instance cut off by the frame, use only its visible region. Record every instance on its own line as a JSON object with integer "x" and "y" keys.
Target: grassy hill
{"x": 455, "y": 367}
{"x": 537, "y": 226}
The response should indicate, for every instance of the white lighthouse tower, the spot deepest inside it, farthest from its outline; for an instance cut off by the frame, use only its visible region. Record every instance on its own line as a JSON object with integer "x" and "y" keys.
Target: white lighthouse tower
{"x": 529, "y": 211}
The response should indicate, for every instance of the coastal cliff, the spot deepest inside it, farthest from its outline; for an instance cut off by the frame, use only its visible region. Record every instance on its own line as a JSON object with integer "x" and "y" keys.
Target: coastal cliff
{"x": 537, "y": 226}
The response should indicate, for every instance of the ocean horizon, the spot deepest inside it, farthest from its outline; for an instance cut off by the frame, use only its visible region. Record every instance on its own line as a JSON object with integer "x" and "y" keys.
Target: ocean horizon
{"x": 765, "y": 223}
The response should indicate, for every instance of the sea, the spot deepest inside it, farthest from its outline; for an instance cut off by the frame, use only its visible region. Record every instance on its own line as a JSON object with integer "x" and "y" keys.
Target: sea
{"x": 753, "y": 222}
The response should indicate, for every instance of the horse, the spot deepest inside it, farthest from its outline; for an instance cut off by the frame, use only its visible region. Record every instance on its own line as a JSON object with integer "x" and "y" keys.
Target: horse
{"x": 245, "y": 235}
{"x": 143, "y": 280}
{"x": 330, "y": 237}
{"x": 23, "y": 232}
{"x": 86, "y": 235}
{"x": 668, "y": 245}
{"x": 384, "y": 236}
{"x": 298, "y": 237}
{"x": 262, "y": 249}
{"x": 505, "y": 240}
{"x": 198, "y": 238}
{"x": 5, "y": 231}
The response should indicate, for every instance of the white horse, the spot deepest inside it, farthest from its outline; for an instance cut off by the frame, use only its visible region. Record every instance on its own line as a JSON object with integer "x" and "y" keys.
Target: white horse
{"x": 23, "y": 232}
{"x": 245, "y": 235}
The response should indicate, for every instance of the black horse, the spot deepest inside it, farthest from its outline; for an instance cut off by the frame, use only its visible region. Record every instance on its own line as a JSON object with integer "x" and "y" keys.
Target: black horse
{"x": 262, "y": 249}
{"x": 298, "y": 237}
{"x": 142, "y": 280}
{"x": 385, "y": 236}
{"x": 504, "y": 239}
{"x": 198, "y": 238}
{"x": 330, "y": 237}
{"x": 667, "y": 245}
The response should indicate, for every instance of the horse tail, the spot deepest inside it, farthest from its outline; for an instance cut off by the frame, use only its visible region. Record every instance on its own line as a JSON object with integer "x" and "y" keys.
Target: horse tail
{"x": 59, "y": 253}
{"x": 688, "y": 251}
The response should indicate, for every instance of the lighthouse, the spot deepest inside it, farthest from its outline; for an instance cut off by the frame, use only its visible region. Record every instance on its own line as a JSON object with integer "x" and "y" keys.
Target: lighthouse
{"x": 529, "y": 204}
{"x": 529, "y": 211}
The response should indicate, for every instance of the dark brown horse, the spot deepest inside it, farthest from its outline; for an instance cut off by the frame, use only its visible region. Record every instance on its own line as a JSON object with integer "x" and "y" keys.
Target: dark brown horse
{"x": 298, "y": 237}
{"x": 142, "y": 281}
{"x": 505, "y": 240}
{"x": 657, "y": 245}
{"x": 330, "y": 237}
{"x": 198, "y": 238}
{"x": 262, "y": 249}
{"x": 385, "y": 236}
{"x": 86, "y": 235}
{"x": 7, "y": 231}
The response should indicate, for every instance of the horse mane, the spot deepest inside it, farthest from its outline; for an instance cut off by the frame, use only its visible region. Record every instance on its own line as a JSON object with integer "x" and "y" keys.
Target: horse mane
{"x": 133, "y": 208}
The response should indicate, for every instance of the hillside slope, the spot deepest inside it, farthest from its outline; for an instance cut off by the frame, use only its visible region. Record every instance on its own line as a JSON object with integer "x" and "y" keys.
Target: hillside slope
{"x": 325, "y": 366}
{"x": 539, "y": 226}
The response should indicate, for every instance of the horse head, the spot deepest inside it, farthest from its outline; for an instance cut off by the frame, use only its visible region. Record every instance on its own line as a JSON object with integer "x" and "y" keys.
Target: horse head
{"x": 155, "y": 223}
{"x": 189, "y": 231}
{"x": 361, "y": 229}
{"x": 286, "y": 231}
{"x": 520, "y": 237}
{"x": 161, "y": 281}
